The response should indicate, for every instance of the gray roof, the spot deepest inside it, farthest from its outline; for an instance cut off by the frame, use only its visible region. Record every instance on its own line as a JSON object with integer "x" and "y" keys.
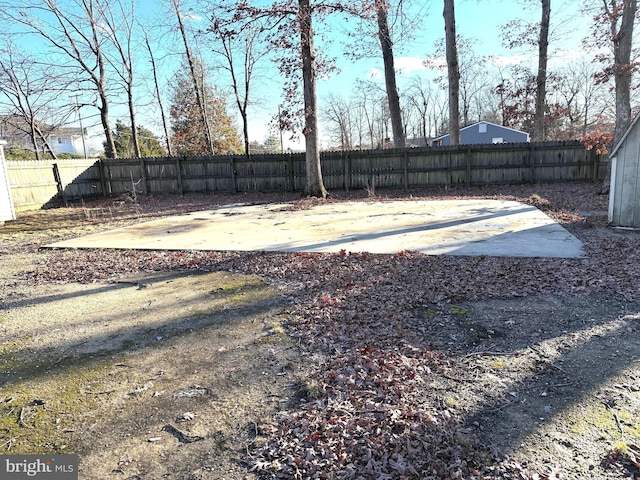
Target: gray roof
{"x": 478, "y": 123}
{"x": 17, "y": 126}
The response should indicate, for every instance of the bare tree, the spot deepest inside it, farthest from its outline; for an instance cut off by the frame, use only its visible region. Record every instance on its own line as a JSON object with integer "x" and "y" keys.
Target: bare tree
{"x": 474, "y": 81}
{"x": 74, "y": 37}
{"x": 619, "y": 17}
{"x": 386, "y": 44}
{"x": 385, "y": 27}
{"x": 541, "y": 81}
{"x": 242, "y": 46}
{"x": 338, "y": 113}
{"x": 300, "y": 65}
{"x": 315, "y": 185}
{"x": 119, "y": 23}
{"x": 154, "y": 71}
{"x": 453, "y": 71}
{"x": 422, "y": 97}
{"x": 580, "y": 94}
{"x": 368, "y": 99}
{"x": 197, "y": 81}
{"x": 28, "y": 91}
{"x": 613, "y": 29}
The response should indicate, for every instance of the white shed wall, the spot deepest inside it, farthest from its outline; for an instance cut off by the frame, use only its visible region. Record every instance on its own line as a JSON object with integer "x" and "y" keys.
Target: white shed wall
{"x": 624, "y": 199}
{"x": 7, "y": 211}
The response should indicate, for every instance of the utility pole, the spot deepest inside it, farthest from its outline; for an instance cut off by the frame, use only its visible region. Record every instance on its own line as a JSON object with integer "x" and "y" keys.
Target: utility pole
{"x": 280, "y": 129}
{"x": 84, "y": 145}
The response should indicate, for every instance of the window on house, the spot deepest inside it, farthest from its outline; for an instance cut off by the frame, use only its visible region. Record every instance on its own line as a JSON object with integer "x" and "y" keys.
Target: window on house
{"x": 497, "y": 140}
{"x": 482, "y": 128}
{"x": 62, "y": 140}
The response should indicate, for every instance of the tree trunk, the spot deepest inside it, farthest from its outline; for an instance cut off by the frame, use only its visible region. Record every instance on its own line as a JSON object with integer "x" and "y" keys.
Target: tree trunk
{"x": 541, "y": 88}
{"x": 33, "y": 137}
{"x": 622, "y": 44}
{"x": 314, "y": 186}
{"x": 245, "y": 132}
{"x": 110, "y": 144}
{"x": 390, "y": 74}
{"x": 242, "y": 101}
{"x": 114, "y": 29}
{"x": 453, "y": 71}
{"x": 46, "y": 146}
{"x": 134, "y": 128}
{"x": 154, "y": 70}
{"x": 197, "y": 85}
{"x": 100, "y": 82}
{"x": 622, "y": 39}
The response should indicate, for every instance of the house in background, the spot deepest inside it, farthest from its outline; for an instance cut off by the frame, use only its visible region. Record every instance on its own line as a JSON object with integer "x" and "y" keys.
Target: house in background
{"x": 484, "y": 132}
{"x": 15, "y": 130}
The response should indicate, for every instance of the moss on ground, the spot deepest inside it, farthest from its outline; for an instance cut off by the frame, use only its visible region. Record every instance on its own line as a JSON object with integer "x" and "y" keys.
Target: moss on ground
{"x": 41, "y": 414}
{"x": 607, "y": 423}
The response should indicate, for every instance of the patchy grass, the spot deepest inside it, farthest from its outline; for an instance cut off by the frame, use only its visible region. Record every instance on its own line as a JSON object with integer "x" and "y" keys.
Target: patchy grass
{"x": 403, "y": 361}
{"x": 41, "y": 416}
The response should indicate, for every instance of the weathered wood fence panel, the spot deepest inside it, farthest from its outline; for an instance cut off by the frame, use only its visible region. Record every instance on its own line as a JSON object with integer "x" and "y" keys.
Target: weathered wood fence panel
{"x": 34, "y": 184}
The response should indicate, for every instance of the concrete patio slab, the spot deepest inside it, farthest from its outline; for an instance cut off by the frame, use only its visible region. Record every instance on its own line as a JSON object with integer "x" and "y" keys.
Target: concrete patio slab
{"x": 449, "y": 227}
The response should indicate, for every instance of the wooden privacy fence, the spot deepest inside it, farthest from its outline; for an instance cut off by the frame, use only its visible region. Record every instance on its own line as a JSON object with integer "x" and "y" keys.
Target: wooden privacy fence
{"x": 38, "y": 183}
{"x": 35, "y": 184}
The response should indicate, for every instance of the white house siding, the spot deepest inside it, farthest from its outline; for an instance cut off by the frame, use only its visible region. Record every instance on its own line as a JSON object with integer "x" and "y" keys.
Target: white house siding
{"x": 66, "y": 144}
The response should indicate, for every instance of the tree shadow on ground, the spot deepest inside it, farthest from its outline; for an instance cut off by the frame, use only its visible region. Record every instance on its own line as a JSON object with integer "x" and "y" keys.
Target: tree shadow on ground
{"x": 551, "y": 380}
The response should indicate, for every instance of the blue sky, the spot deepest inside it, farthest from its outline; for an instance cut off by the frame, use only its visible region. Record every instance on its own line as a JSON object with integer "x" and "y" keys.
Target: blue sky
{"x": 478, "y": 19}
{"x": 481, "y": 20}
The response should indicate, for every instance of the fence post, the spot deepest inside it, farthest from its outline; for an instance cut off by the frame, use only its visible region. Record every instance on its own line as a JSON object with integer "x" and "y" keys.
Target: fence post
{"x": 179, "y": 176}
{"x": 101, "y": 174}
{"x": 291, "y": 176}
{"x": 595, "y": 164}
{"x": 406, "y": 170}
{"x": 143, "y": 173}
{"x": 346, "y": 180}
{"x": 59, "y": 186}
{"x": 467, "y": 157}
{"x": 532, "y": 162}
{"x": 232, "y": 163}
{"x": 105, "y": 177}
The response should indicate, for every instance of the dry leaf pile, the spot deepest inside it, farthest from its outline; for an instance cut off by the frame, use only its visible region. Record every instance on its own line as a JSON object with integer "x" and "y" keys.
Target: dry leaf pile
{"x": 365, "y": 320}
{"x": 367, "y": 424}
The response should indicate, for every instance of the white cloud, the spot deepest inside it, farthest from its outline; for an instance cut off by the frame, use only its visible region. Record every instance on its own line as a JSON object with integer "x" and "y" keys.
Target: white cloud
{"x": 571, "y": 54}
{"x": 403, "y": 65}
{"x": 192, "y": 17}
{"x": 374, "y": 73}
{"x": 409, "y": 64}
{"x": 438, "y": 62}
{"x": 503, "y": 61}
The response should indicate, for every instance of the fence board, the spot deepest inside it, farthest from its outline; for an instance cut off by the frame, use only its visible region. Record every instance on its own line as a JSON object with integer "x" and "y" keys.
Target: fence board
{"x": 33, "y": 183}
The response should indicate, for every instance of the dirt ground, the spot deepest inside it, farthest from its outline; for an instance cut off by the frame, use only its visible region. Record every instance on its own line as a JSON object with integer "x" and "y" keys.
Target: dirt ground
{"x": 194, "y": 365}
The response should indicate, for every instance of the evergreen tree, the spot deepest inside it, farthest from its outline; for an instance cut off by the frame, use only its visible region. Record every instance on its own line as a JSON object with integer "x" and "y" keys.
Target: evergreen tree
{"x": 149, "y": 144}
{"x": 272, "y": 144}
{"x": 188, "y": 129}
